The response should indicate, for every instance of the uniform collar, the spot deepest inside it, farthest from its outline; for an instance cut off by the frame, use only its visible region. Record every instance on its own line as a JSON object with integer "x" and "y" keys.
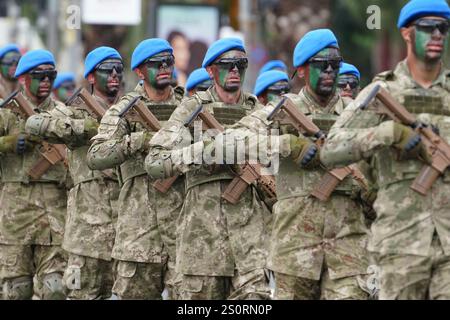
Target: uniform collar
{"x": 402, "y": 71}
{"x": 315, "y": 106}
{"x": 45, "y": 105}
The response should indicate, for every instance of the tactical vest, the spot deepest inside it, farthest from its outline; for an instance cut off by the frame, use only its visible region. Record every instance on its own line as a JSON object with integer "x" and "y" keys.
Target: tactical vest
{"x": 433, "y": 104}
{"x": 134, "y": 167}
{"x": 226, "y": 115}
{"x": 15, "y": 167}
{"x": 291, "y": 181}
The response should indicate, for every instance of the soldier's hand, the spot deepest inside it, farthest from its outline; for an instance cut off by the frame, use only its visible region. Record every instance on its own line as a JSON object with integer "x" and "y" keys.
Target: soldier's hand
{"x": 18, "y": 143}
{"x": 90, "y": 127}
{"x": 409, "y": 143}
{"x": 304, "y": 152}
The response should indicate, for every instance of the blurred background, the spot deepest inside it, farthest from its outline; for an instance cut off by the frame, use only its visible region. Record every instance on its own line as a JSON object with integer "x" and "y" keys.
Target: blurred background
{"x": 270, "y": 29}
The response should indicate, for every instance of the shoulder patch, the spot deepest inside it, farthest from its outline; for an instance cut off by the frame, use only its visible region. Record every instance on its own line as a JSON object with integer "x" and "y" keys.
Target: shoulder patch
{"x": 204, "y": 96}
{"x": 179, "y": 92}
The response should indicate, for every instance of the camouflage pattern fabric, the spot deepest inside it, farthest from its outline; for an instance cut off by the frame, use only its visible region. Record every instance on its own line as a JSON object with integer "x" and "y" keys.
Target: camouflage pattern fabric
{"x": 137, "y": 280}
{"x": 251, "y": 285}
{"x": 405, "y": 221}
{"x": 88, "y": 278}
{"x": 146, "y": 221}
{"x": 214, "y": 237}
{"x": 31, "y": 261}
{"x": 308, "y": 234}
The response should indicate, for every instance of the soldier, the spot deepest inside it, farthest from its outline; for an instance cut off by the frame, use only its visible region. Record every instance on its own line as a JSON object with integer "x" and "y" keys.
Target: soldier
{"x": 33, "y": 211}
{"x": 317, "y": 248}
{"x": 271, "y": 85}
{"x": 198, "y": 80}
{"x": 220, "y": 246}
{"x": 348, "y": 82}
{"x": 92, "y": 213}
{"x": 146, "y": 221}
{"x": 64, "y": 86}
{"x": 9, "y": 57}
{"x": 273, "y": 65}
{"x": 410, "y": 235}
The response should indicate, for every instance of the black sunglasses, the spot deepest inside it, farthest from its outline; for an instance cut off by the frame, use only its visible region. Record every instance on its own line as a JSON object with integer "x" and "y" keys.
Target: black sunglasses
{"x": 108, "y": 67}
{"x": 156, "y": 63}
{"x": 42, "y": 74}
{"x": 240, "y": 63}
{"x": 68, "y": 86}
{"x": 281, "y": 89}
{"x": 351, "y": 82}
{"x": 429, "y": 25}
{"x": 323, "y": 63}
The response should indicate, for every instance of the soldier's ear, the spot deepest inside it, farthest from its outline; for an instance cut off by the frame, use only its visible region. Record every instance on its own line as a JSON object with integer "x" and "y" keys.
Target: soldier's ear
{"x": 91, "y": 78}
{"x": 407, "y": 34}
{"x": 22, "y": 79}
{"x": 139, "y": 73}
{"x": 301, "y": 72}
{"x": 210, "y": 72}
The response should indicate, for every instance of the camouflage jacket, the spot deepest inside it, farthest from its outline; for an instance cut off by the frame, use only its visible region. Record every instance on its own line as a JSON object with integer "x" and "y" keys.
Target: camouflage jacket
{"x": 214, "y": 237}
{"x": 26, "y": 215}
{"x": 139, "y": 234}
{"x": 307, "y": 232}
{"x": 405, "y": 220}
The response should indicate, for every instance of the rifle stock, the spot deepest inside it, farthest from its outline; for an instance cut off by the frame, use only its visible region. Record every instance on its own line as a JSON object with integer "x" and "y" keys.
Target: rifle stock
{"x": 89, "y": 104}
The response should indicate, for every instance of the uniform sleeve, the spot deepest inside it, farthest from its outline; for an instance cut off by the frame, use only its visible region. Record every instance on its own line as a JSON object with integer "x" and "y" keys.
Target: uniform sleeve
{"x": 357, "y": 134}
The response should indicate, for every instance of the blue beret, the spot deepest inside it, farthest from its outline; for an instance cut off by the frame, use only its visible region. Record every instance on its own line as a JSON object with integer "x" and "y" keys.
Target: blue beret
{"x": 196, "y": 77}
{"x": 311, "y": 43}
{"x": 32, "y": 59}
{"x": 220, "y": 46}
{"x": 273, "y": 64}
{"x": 266, "y": 79}
{"x": 96, "y": 56}
{"x": 147, "y": 48}
{"x": 415, "y": 9}
{"x": 8, "y": 48}
{"x": 63, "y": 77}
{"x": 347, "y": 68}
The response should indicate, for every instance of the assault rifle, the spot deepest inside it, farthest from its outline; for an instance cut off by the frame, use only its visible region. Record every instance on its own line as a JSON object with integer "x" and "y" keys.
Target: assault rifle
{"x": 437, "y": 147}
{"x": 51, "y": 154}
{"x": 287, "y": 113}
{"x": 249, "y": 173}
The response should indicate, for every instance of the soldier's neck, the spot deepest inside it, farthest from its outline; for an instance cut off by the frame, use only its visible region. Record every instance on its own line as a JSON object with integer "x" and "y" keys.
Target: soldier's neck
{"x": 157, "y": 95}
{"x": 37, "y": 101}
{"x": 228, "y": 97}
{"x": 423, "y": 73}
{"x": 110, "y": 100}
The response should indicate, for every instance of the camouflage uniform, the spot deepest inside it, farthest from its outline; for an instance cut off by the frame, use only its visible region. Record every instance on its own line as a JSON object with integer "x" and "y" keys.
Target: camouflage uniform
{"x": 221, "y": 247}
{"x": 317, "y": 249}
{"x": 32, "y": 218}
{"x": 92, "y": 213}
{"x": 411, "y": 233}
{"x": 145, "y": 233}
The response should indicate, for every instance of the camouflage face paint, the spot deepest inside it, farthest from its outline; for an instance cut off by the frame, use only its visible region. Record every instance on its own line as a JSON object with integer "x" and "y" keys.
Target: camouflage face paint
{"x": 101, "y": 81}
{"x": 34, "y": 86}
{"x": 159, "y": 75}
{"x": 223, "y": 73}
{"x": 420, "y": 44}
{"x": 62, "y": 93}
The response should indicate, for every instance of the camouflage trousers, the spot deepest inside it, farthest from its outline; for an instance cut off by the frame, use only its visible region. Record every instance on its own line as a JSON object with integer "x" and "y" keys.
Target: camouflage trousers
{"x": 19, "y": 264}
{"x": 138, "y": 280}
{"x": 253, "y": 285}
{"x": 172, "y": 282}
{"x": 415, "y": 277}
{"x": 88, "y": 278}
{"x": 288, "y": 287}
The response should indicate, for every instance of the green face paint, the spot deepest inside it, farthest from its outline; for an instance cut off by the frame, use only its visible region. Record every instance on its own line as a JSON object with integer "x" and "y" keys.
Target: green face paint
{"x": 224, "y": 72}
{"x": 8, "y": 65}
{"x": 62, "y": 94}
{"x": 101, "y": 81}
{"x": 34, "y": 86}
{"x": 420, "y": 44}
{"x": 4, "y": 70}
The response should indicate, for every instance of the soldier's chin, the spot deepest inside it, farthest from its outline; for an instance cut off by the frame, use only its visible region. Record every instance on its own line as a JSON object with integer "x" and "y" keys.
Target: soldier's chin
{"x": 433, "y": 56}
{"x": 233, "y": 87}
{"x": 162, "y": 84}
{"x": 325, "y": 90}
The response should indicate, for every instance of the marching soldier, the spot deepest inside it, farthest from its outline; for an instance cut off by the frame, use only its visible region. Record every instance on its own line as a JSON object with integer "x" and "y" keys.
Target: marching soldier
{"x": 92, "y": 212}
{"x": 221, "y": 247}
{"x": 33, "y": 210}
{"x": 198, "y": 80}
{"x": 270, "y": 86}
{"x": 145, "y": 237}
{"x": 348, "y": 82}
{"x": 9, "y": 57}
{"x": 64, "y": 86}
